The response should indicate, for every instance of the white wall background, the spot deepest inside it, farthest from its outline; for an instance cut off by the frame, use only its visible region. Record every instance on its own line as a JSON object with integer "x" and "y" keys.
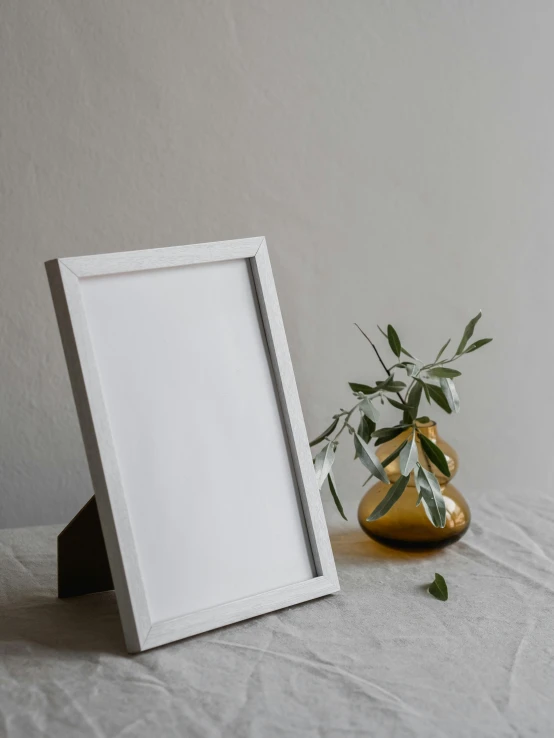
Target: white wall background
{"x": 398, "y": 156}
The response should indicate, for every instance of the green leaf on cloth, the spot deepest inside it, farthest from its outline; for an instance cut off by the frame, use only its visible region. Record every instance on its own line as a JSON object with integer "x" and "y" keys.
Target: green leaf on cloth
{"x": 438, "y": 588}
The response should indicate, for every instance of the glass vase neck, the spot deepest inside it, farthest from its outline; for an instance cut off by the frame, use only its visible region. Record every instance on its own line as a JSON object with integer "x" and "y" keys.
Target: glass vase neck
{"x": 428, "y": 429}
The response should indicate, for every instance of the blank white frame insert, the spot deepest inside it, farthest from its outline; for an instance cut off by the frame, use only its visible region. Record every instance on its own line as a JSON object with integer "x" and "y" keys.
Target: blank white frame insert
{"x": 194, "y": 435}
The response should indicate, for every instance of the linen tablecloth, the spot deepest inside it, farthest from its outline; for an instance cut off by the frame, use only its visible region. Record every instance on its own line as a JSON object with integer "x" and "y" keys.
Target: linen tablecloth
{"x": 380, "y": 658}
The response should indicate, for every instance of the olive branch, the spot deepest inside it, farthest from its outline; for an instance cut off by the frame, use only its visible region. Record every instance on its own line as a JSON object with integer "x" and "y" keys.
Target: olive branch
{"x": 435, "y": 382}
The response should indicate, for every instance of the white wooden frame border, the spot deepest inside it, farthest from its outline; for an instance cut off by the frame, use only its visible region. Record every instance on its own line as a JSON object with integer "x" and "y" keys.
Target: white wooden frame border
{"x": 140, "y": 632}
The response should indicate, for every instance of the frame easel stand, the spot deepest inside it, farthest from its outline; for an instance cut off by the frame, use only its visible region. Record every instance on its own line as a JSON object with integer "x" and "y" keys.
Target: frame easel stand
{"x": 83, "y": 566}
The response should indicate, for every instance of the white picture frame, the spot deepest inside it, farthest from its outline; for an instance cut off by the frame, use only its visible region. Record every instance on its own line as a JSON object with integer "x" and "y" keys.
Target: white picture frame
{"x": 82, "y": 290}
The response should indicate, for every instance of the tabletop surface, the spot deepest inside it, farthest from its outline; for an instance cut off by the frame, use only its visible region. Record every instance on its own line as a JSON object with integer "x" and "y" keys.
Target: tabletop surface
{"x": 380, "y": 658}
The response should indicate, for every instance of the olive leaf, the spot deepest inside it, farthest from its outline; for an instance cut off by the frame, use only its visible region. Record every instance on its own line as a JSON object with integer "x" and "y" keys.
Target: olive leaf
{"x": 363, "y": 388}
{"x": 394, "y": 387}
{"x": 323, "y": 436}
{"x": 390, "y": 385}
{"x": 368, "y": 409}
{"x": 408, "y": 457}
{"x": 443, "y": 371}
{"x": 402, "y": 349}
{"x": 468, "y": 332}
{"x": 390, "y": 458}
{"x": 392, "y": 496}
{"x": 423, "y": 419}
{"x": 443, "y": 349}
{"x": 333, "y": 490}
{"x": 425, "y": 388}
{"x": 437, "y": 395}
{"x": 414, "y": 398}
{"x": 365, "y": 428}
{"x": 399, "y": 405}
{"x": 323, "y": 463}
{"x": 430, "y": 494}
{"x": 394, "y": 341}
{"x": 449, "y": 389}
{"x": 434, "y": 454}
{"x": 477, "y": 344}
{"x": 369, "y": 460}
{"x": 383, "y": 383}
{"x": 438, "y": 588}
{"x": 387, "y": 434}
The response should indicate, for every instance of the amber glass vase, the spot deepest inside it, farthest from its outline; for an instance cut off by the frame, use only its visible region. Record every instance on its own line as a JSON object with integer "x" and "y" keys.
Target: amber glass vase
{"x": 405, "y": 525}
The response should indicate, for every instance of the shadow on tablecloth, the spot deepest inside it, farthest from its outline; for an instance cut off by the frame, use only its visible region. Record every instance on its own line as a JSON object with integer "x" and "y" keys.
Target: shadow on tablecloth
{"x": 81, "y": 624}
{"x": 351, "y": 545}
